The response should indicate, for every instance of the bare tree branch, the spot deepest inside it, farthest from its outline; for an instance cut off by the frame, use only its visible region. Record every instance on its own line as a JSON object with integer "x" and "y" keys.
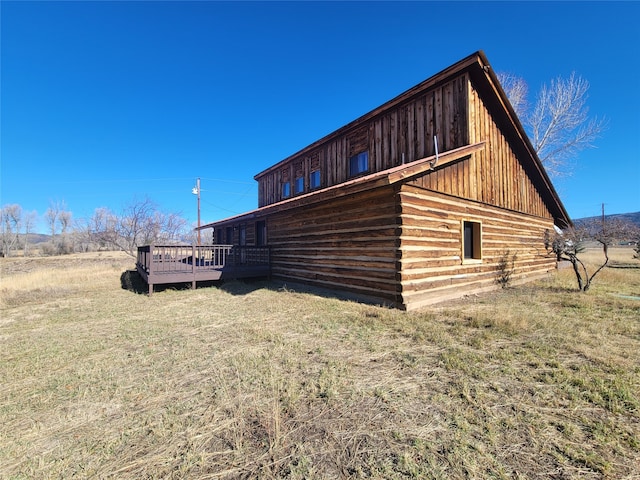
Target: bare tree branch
{"x": 568, "y": 245}
{"x": 51, "y": 218}
{"x": 10, "y": 225}
{"x": 517, "y": 91}
{"x": 559, "y": 124}
{"x": 29, "y": 224}
{"x": 140, "y": 223}
{"x": 64, "y": 219}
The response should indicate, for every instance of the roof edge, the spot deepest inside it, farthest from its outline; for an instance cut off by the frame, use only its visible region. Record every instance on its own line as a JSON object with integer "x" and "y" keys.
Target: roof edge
{"x": 439, "y": 77}
{"x": 377, "y": 179}
{"x": 492, "y": 78}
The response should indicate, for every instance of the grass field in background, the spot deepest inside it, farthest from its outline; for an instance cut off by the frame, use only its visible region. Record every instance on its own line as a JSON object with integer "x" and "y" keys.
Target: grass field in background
{"x": 265, "y": 380}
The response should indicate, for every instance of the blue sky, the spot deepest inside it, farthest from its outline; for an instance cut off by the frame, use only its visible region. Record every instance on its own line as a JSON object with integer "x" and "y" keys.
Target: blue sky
{"x": 104, "y": 103}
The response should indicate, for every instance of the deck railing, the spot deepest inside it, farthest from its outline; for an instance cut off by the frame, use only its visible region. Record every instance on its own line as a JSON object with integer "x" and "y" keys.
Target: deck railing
{"x": 169, "y": 259}
{"x": 180, "y": 258}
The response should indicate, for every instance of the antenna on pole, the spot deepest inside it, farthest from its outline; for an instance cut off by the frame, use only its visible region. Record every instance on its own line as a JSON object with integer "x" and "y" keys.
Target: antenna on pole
{"x": 196, "y": 191}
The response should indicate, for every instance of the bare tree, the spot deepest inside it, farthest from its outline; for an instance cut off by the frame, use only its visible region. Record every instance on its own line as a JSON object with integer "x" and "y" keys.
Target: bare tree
{"x": 11, "y": 223}
{"x": 64, "y": 219}
{"x": 51, "y": 217}
{"x": 568, "y": 244}
{"x": 103, "y": 228}
{"x": 559, "y": 124}
{"x": 56, "y": 216}
{"x": 517, "y": 91}
{"x": 140, "y": 223}
{"x": 29, "y": 224}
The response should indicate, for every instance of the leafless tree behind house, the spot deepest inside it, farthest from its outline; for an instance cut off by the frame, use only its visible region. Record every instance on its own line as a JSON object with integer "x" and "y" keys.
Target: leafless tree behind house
{"x": 11, "y": 223}
{"x": 140, "y": 223}
{"x": 559, "y": 123}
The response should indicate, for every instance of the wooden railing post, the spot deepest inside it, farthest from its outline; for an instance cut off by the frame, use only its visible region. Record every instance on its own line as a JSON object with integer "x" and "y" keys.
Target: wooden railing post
{"x": 193, "y": 266}
{"x": 149, "y": 259}
{"x": 149, "y": 266}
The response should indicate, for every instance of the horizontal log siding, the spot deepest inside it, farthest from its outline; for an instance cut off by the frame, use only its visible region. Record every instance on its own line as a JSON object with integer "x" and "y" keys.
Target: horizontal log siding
{"x": 430, "y": 256}
{"x": 346, "y": 244}
{"x": 402, "y": 134}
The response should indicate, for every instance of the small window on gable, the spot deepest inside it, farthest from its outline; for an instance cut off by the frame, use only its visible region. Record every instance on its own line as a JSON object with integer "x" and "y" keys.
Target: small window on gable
{"x": 471, "y": 241}
{"x": 286, "y": 190}
{"x": 299, "y": 185}
{"x": 359, "y": 164}
{"x": 314, "y": 179}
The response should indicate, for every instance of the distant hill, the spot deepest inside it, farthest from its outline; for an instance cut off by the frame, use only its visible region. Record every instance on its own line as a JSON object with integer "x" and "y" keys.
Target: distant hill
{"x": 35, "y": 238}
{"x": 633, "y": 218}
{"x": 592, "y": 224}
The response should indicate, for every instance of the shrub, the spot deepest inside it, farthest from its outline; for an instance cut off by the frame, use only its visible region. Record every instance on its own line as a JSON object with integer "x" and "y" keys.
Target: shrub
{"x": 505, "y": 268}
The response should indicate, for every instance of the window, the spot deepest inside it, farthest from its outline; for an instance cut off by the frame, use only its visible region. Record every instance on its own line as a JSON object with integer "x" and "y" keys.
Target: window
{"x": 471, "y": 240}
{"x": 299, "y": 185}
{"x": 229, "y": 235}
{"x": 359, "y": 164}
{"x": 286, "y": 190}
{"x": 261, "y": 233}
{"x": 243, "y": 235}
{"x": 314, "y": 179}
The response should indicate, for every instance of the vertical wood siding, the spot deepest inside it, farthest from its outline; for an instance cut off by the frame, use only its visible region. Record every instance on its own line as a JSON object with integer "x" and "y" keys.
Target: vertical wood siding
{"x": 403, "y": 134}
{"x": 493, "y": 176}
{"x": 430, "y": 253}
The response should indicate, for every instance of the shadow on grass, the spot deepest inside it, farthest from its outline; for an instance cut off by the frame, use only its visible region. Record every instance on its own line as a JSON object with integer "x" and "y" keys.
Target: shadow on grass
{"x": 633, "y": 266}
{"x": 555, "y": 289}
{"x": 132, "y": 281}
{"x": 246, "y": 286}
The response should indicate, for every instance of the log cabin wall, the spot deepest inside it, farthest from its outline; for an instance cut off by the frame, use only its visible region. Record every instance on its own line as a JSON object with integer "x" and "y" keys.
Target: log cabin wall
{"x": 431, "y": 258}
{"x": 347, "y": 244}
{"x": 411, "y": 236}
{"x": 391, "y": 136}
{"x": 235, "y": 233}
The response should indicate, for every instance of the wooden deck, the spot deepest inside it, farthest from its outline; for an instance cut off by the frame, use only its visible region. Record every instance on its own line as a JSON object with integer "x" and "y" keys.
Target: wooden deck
{"x": 162, "y": 264}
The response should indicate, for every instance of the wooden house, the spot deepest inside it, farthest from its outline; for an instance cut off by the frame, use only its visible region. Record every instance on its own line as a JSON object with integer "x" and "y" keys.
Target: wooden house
{"x": 412, "y": 203}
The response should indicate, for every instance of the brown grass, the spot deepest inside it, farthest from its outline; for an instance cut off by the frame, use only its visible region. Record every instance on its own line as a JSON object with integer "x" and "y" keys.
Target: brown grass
{"x": 257, "y": 380}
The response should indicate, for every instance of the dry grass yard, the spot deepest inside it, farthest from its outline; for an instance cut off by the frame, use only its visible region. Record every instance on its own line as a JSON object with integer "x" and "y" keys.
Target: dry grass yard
{"x": 257, "y": 380}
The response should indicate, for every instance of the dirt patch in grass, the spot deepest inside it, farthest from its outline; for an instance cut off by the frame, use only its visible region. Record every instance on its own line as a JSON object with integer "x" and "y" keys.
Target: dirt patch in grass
{"x": 259, "y": 381}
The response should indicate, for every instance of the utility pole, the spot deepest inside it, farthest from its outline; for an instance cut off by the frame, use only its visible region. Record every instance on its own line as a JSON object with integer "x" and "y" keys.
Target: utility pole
{"x": 196, "y": 191}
